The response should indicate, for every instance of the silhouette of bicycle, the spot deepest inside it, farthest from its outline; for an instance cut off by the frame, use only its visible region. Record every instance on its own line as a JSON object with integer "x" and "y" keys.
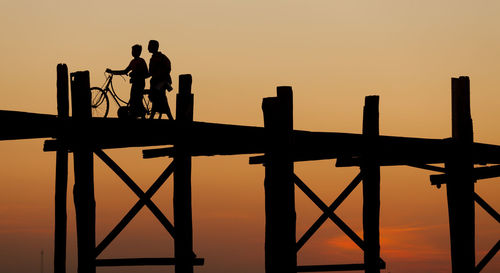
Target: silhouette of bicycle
{"x": 100, "y": 100}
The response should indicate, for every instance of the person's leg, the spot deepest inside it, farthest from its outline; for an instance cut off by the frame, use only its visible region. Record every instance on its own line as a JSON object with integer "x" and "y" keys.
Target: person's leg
{"x": 136, "y": 107}
{"x": 162, "y": 103}
{"x": 153, "y": 98}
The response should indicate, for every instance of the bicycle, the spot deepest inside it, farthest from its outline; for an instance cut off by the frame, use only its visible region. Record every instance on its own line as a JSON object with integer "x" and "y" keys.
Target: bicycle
{"x": 100, "y": 100}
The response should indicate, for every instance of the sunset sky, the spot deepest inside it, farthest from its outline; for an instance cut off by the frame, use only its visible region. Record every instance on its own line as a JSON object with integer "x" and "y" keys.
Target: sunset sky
{"x": 333, "y": 53}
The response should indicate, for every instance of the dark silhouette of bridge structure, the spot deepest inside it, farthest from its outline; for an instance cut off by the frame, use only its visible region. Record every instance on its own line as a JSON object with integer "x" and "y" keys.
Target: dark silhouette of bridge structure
{"x": 276, "y": 146}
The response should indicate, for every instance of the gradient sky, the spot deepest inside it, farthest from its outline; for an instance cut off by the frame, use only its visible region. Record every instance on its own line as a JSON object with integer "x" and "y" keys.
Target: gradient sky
{"x": 333, "y": 53}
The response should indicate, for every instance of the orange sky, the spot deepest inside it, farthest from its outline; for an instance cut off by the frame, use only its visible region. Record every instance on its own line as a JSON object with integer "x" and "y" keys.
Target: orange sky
{"x": 333, "y": 53}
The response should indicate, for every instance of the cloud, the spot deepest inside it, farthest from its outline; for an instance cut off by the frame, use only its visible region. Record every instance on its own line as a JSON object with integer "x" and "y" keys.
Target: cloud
{"x": 401, "y": 243}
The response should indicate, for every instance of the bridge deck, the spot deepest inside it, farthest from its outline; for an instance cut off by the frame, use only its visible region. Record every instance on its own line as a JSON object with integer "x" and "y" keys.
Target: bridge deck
{"x": 208, "y": 139}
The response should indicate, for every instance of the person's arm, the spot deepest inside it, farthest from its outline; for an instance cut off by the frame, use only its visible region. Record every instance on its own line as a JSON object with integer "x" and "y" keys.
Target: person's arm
{"x": 152, "y": 67}
{"x": 120, "y": 72}
{"x": 168, "y": 64}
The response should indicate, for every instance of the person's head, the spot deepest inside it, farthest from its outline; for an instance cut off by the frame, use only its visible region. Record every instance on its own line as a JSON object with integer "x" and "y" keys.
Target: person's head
{"x": 136, "y": 50}
{"x": 153, "y": 46}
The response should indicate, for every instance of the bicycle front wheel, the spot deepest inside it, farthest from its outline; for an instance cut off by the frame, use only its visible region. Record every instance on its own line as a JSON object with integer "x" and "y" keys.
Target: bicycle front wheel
{"x": 99, "y": 102}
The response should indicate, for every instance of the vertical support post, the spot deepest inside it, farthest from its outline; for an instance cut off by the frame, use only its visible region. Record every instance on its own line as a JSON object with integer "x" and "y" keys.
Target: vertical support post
{"x": 280, "y": 241}
{"x": 183, "y": 222}
{"x": 83, "y": 190}
{"x": 460, "y": 185}
{"x": 61, "y": 187}
{"x": 371, "y": 186}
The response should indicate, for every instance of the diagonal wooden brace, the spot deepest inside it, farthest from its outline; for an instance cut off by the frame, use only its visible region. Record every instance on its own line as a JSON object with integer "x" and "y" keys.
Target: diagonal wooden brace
{"x": 487, "y": 258}
{"x": 145, "y": 198}
{"x": 137, "y": 190}
{"x": 328, "y": 212}
{"x": 310, "y": 232}
{"x": 491, "y": 211}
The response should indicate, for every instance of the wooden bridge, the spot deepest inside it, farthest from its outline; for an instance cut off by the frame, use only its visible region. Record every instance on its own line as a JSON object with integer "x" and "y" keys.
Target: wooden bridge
{"x": 276, "y": 146}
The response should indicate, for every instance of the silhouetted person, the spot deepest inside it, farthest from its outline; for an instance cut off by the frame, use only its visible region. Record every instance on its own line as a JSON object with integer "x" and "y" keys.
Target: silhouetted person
{"x": 159, "y": 68}
{"x": 138, "y": 74}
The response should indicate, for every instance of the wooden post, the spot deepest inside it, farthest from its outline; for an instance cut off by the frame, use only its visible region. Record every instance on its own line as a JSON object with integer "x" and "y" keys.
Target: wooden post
{"x": 280, "y": 242}
{"x": 83, "y": 190}
{"x": 460, "y": 185}
{"x": 370, "y": 168}
{"x": 183, "y": 222}
{"x": 61, "y": 173}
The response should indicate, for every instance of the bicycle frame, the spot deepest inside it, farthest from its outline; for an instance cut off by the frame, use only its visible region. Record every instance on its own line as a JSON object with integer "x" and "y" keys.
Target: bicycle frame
{"x": 100, "y": 99}
{"x": 108, "y": 88}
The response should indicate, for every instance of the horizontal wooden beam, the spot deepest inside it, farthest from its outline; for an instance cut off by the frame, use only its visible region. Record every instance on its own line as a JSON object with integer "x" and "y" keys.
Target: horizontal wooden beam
{"x": 208, "y": 139}
{"x": 427, "y": 167}
{"x": 142, "y": 261}
{"x": 487, "y": 172}
{"x": 22, "y": 125}
{"x": 356, "y": 162}
{"x": 159, "y": 152}
{"x": 478, "y": 174}
{"x": 203, "y": 138}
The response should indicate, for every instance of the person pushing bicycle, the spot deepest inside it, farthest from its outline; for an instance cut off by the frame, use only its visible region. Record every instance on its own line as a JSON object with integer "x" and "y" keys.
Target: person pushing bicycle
{"x": 138, "y": 74}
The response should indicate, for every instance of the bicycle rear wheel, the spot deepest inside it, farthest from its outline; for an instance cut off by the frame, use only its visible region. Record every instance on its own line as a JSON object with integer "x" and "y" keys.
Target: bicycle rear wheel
{"x": 99, "y": 102}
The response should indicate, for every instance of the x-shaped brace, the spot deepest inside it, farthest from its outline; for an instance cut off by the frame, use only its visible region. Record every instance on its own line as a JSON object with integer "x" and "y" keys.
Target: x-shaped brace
{"x": 144, "y": 199}
{"x": 328, "y": 212}
{"x": 493, "y": 213}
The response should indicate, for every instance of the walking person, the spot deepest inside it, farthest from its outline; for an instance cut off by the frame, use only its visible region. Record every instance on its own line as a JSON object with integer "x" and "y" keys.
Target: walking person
{"x": 159, "y": 69}
{"x": 138, "y": 74}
